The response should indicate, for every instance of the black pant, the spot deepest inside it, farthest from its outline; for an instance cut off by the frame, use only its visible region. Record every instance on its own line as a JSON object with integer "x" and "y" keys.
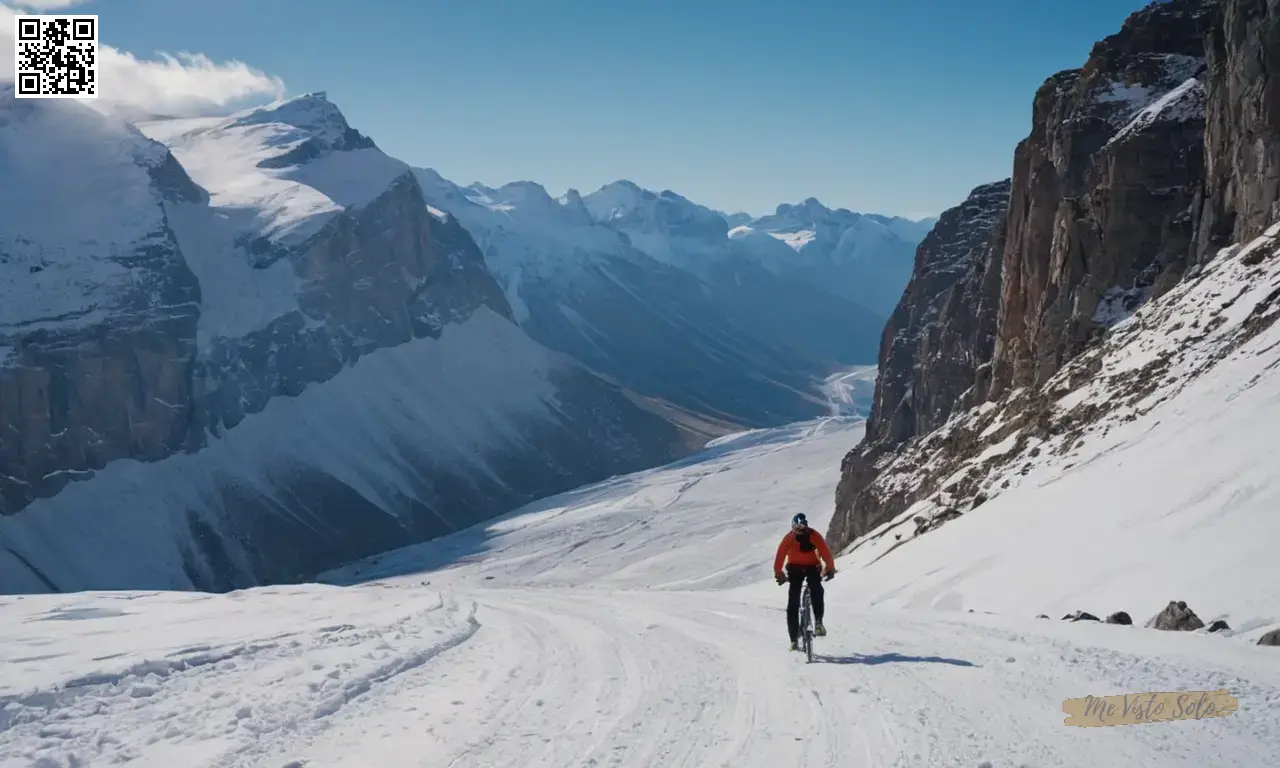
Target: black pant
{"x": 796, "y": 576}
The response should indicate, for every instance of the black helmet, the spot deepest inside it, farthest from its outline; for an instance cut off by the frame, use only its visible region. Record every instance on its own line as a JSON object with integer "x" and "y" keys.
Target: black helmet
{"x": 800, "y": 520}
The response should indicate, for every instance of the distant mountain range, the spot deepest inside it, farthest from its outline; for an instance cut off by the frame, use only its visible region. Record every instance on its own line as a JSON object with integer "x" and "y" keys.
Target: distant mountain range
{"x": 663, "y": 295}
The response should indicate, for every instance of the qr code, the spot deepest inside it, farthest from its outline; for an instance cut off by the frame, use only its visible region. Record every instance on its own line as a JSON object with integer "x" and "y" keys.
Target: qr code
{"x": 56, "y": 57}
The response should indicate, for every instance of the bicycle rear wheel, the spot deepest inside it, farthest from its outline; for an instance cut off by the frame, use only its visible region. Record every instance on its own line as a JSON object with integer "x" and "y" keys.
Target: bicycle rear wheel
{"x": 806, "y": 624}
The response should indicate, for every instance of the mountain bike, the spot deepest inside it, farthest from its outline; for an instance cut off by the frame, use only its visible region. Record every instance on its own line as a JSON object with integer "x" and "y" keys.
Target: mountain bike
{"x": 806, "y": 619}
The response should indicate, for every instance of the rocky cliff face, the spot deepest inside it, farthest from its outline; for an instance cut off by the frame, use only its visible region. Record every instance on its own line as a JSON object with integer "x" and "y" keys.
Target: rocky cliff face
{"x": 922, "y": 377}
{"x": 255, "y": 354}
{"x": 1102, "y": 191}
{"x": 1242, "y": 131}
{"x": 98, "y": 309}
{"x": 935, "y": 347}
{"x": 1121, "y": 186}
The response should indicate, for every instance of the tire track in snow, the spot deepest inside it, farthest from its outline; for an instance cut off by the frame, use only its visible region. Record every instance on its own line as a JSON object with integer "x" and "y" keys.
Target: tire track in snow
{"x": 233, "y": 705}
{"x": 590, "y": 679}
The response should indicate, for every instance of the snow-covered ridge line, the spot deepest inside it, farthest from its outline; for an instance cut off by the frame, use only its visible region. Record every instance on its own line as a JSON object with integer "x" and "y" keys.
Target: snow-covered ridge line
{"x": 283, "y": 170}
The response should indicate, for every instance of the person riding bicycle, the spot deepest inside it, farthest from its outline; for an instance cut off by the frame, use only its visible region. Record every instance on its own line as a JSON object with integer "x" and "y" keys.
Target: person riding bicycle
{"x": 807, "y": 558}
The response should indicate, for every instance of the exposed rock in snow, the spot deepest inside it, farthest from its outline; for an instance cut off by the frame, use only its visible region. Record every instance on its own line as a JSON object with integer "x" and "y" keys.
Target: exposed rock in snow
{"x": 1176, "y": 616}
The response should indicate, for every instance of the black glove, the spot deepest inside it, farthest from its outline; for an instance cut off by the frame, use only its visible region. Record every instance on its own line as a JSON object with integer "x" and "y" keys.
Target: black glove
{"x": 830, "y": 575}
{"x": 780, "y": 579}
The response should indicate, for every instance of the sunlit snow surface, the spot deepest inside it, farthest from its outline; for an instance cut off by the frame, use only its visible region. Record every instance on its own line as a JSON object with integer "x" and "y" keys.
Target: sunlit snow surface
{"x": 631, "y": 623}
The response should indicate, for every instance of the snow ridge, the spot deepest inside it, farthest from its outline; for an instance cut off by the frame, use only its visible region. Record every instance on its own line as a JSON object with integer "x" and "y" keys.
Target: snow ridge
{"x": 282, "y": 171}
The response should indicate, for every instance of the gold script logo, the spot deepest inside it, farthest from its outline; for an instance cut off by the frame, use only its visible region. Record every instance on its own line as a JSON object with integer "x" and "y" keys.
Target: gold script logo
{"x": 1140, "y": 708}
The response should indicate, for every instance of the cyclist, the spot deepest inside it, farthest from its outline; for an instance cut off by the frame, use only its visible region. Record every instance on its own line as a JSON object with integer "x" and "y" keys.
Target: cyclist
{"x": 807, "y": 557}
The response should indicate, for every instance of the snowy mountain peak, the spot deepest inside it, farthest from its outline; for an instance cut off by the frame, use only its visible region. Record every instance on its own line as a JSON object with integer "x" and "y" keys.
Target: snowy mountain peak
{"x": 809, "y": 208}
{"x": 616, "y": 200}
{"x": 575, "y": 206}
{"x": 283, "y": 170}
{"x": 667, "y": 226}
{"x": 624, "y": 199}
{"x": 528, "y": 197}
{"x": 312, "y": 114}
{"x": 525, "y": 191}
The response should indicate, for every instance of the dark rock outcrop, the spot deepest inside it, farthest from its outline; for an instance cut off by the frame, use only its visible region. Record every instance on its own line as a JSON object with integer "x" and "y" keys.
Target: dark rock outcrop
{"x": 1080, "y": 616}
{"x": 1176, "y": 617}
{"x": 921, "y": 377}
{"x": 1120, "y": 617}
{"x": 1271, "y": 638}
{"x": 1219, "y": 625}
{"x": 930, "y": 351}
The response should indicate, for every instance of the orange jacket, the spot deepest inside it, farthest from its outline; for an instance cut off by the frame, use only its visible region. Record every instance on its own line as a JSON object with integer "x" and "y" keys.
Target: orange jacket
{"x": 789, "y": 552}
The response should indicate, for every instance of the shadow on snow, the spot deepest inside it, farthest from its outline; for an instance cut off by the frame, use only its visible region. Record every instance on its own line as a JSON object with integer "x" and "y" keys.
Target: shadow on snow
{"x": 891, "y": 658}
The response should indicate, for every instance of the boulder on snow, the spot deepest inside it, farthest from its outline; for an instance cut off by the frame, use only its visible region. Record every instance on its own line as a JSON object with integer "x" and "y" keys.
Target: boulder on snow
{"x": 1176, "y": 616}
{"x": 1080, "y": 616}
{"x": 1120, "y": 617}
{"x": 1271, "y": 638}
{"x": 1042, "y": 616}
{"x": 1218, "y": 626}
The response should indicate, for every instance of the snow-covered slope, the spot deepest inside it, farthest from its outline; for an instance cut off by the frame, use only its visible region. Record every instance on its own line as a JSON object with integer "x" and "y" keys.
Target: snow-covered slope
{"x": 62, "y": 245}
{"x": 734, "y": 496}
{"x": 411, "y": 441}
{"x": 732, "y": 343}
{"x": 849, "y": 393}
{"x": 631, "y": 623}
{"x": 162, "y": 343}
{"x": 1141, "y": 473}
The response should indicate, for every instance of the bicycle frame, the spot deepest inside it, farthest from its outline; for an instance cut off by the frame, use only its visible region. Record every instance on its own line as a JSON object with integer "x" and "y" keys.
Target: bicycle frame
{"x": 806, "y": 628}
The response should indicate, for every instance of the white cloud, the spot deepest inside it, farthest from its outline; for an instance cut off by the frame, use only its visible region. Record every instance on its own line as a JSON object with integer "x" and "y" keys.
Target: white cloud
{"x": 48, "y": 5}
{"x": 182, "y": 84}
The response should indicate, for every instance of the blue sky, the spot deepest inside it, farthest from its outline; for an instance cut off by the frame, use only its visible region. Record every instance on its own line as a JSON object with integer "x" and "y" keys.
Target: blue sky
{"x": 895, "y": 107}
